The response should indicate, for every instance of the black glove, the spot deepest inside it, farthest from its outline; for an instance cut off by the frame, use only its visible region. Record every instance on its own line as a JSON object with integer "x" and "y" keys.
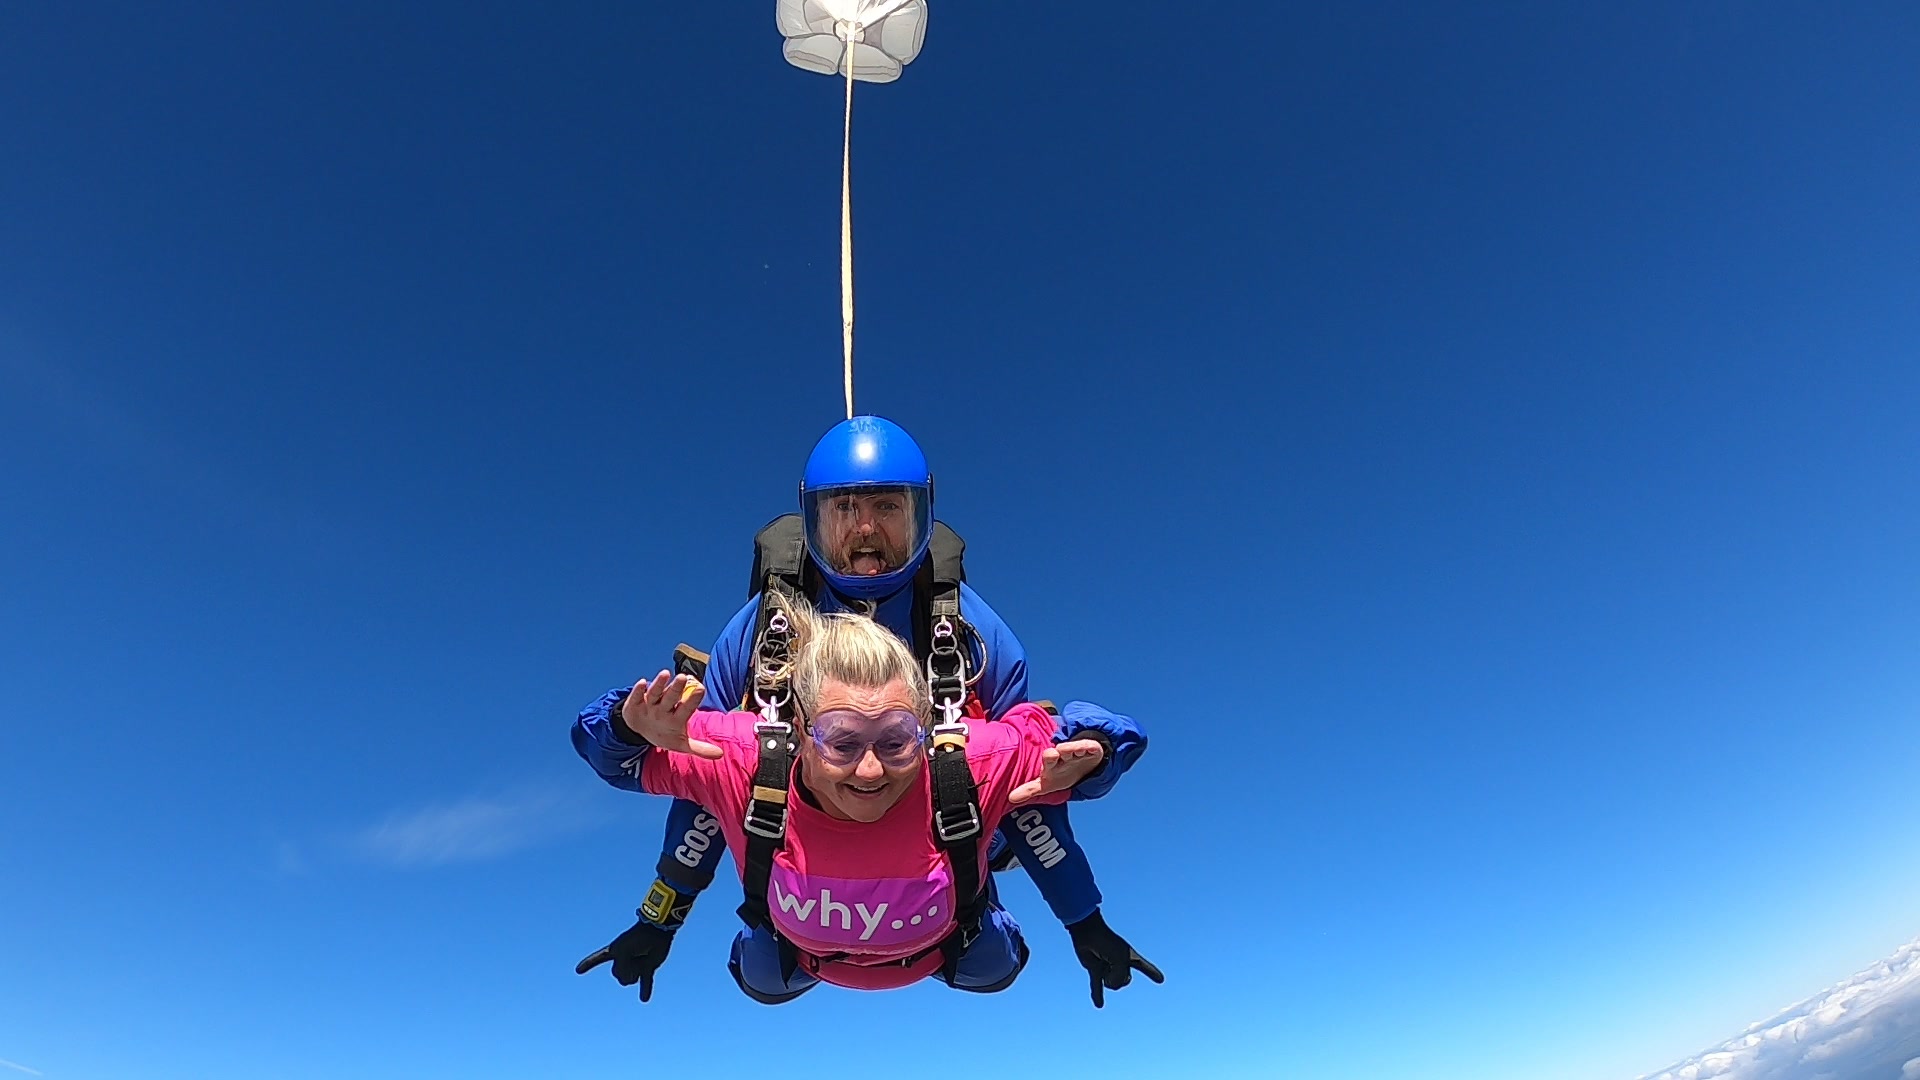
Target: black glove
{"x": 636, "y": 954}
{"x": 1109, "y": 960}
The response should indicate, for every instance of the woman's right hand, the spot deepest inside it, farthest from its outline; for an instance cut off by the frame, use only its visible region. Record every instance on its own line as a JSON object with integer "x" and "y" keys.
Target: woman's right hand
{"x": 658, "y": 710}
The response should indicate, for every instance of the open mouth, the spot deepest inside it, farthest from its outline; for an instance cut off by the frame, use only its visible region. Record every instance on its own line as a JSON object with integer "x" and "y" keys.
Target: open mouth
{"x": 868, "y": 562}
{"x": 860, "y": 792}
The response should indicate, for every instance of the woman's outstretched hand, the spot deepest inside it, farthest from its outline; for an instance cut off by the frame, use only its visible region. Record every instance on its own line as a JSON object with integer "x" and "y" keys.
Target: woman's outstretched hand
{"x": 1062, "y": 767}
{"x": 658, "y": 710}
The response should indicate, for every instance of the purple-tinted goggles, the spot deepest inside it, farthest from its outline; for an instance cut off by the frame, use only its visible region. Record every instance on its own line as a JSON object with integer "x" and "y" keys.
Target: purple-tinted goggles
{"x": 843, "y": 737}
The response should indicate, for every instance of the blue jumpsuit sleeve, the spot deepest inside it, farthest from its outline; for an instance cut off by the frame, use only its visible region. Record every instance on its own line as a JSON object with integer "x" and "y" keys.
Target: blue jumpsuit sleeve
{"x": 1042, "y": 839}
{"x": 690, "y": 868}
{"x": 689, "y": 865}
{"x": 1045, "y": 847}
{"x": 1129, "y": 742}
{"x": 618, "y": 762}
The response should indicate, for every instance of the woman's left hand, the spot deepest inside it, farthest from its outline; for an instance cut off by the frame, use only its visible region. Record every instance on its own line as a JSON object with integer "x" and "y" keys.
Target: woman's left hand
{"x": 1062, "y": 767}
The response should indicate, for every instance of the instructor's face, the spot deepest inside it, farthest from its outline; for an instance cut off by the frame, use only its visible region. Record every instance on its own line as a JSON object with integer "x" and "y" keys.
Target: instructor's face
{"x": 867, "y": 535}
{"x": 867, "y": 789}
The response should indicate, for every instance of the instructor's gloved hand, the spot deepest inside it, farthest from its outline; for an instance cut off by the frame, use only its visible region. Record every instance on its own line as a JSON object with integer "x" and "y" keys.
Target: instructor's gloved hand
{"x": 636, "y": 954}
{"x": 1109, "y": 960}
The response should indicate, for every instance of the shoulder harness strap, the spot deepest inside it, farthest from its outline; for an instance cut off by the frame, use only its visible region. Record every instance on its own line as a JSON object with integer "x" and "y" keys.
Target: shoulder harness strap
{"x": 780, "y": 551}
{"x": 771, "y": 694}
{"x": 936, "y": 592}
{"x": 956, "y": 799}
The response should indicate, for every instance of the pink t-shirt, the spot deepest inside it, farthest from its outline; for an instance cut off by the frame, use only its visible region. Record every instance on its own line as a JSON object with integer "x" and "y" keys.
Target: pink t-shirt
{"x": 878, "y": 891}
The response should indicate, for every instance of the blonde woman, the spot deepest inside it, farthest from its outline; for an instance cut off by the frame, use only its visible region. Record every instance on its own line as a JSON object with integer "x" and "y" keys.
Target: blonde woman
{"x": 861, "y": 893}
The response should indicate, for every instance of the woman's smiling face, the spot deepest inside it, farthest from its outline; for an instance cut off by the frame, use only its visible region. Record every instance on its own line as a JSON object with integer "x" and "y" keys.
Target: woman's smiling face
{"x": 868, "y": 788}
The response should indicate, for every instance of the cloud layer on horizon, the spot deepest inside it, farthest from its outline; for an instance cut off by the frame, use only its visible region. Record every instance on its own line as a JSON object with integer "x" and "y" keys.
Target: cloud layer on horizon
{"x": 1865, "y": 1028}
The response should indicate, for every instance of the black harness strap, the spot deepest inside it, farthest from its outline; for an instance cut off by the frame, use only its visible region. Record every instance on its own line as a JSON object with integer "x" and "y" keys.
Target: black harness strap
{"x": 766, "y": 821}
{"x": 956, "y": 799}
{"x": 956, "y": 819}
{"x": 780, "y": 550}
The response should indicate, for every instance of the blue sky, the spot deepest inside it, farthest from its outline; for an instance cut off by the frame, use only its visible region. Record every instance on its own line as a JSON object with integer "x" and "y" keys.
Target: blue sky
{"x": 1478, "y": 443}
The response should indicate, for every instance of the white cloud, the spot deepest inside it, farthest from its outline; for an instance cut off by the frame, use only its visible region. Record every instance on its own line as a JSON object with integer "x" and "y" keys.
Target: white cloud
{"x": 1867, "y": 1027}
{"x": 472, "y": 829}
{"x": 289, "y": 860}
{"x": 1851, "y": 1039}
{"x": 16, "y": 1065}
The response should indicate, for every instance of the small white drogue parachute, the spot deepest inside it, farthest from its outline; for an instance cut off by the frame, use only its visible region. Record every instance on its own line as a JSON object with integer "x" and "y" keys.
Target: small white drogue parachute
{"x": 886, "y": 35}
{"x": 859, "y": 40}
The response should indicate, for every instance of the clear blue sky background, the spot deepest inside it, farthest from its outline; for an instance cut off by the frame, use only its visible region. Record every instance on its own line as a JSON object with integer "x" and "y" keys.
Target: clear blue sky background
{"x": 1480, "y": 443}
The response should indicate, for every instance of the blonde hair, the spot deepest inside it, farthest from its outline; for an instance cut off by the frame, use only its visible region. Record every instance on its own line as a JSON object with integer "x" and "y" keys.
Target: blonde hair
{"x": 850, "y": 649}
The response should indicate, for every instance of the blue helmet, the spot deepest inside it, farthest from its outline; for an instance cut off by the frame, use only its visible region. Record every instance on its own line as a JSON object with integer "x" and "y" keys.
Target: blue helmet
{"x": 867, "y": 498}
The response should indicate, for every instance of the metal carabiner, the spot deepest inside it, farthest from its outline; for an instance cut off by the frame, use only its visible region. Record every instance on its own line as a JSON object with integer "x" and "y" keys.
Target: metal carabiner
{"x": 771, "y": 701}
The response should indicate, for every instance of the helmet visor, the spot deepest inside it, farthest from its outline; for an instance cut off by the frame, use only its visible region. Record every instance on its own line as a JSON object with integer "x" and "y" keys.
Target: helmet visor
{"x": 870, "y": 530}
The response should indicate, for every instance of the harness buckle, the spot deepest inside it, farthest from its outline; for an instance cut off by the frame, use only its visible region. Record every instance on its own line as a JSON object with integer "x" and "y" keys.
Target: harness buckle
{"x": 950, "y": 831}
{"x": 772, "y": 827}
{"x": 945, "y": 667}
{"x": 950, "y": 734}
{"x": 772, "y": 701}
{"x": 947, "y": 674}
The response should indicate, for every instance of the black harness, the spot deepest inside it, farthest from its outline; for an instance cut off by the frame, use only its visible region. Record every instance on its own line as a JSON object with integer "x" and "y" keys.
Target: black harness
{"x": 783, "y": 573}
